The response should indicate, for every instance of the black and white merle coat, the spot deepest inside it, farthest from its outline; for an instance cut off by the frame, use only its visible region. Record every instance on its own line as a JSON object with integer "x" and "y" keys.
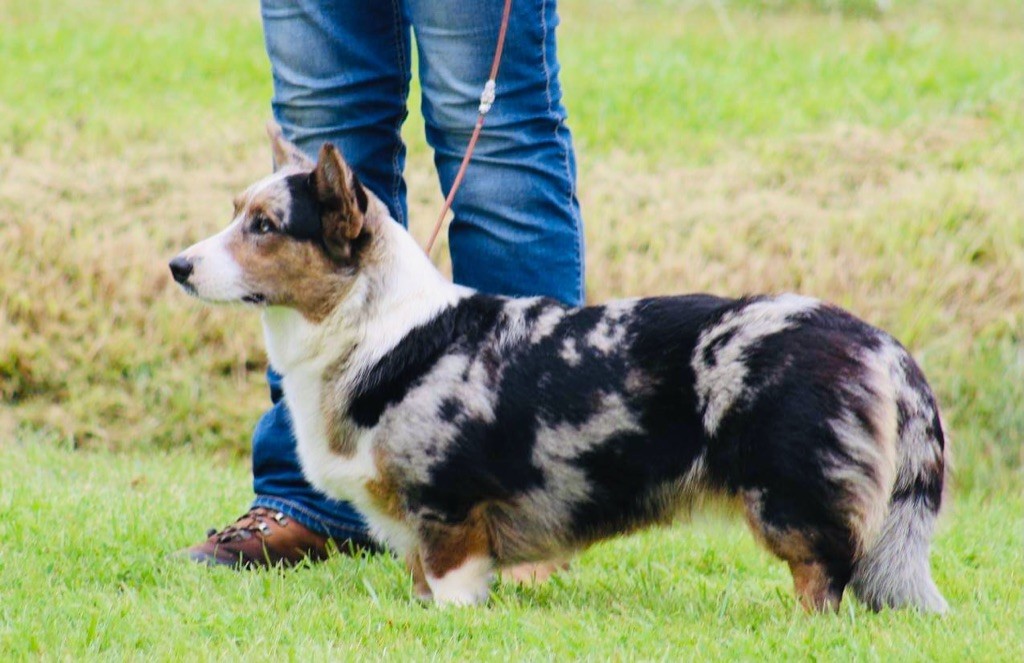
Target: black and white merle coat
{"x": 476, "y": 432}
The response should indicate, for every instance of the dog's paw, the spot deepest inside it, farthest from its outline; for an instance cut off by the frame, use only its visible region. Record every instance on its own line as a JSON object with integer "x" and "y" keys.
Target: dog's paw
{"x": 469, "y": 584}
{"x": 477, "y": 596}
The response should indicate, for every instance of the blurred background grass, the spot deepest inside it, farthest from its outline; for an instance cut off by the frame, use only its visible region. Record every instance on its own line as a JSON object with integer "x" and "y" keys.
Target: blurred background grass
{"x": 865, "y": 154}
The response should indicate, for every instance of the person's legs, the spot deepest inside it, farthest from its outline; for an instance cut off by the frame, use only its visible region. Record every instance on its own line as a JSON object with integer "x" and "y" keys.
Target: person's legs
{"x": 341, "y": 71}
{"x": 517, "y": 227}
{"x": 341, "y": 74}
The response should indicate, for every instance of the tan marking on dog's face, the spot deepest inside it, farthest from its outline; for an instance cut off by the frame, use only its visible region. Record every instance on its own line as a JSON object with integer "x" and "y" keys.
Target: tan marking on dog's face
{"x": 285, "y": 267}
{"x": 278, "y": 268}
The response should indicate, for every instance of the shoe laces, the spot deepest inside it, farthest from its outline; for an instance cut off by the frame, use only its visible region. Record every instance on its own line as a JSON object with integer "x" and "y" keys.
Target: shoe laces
{"x": 253, "y": 522}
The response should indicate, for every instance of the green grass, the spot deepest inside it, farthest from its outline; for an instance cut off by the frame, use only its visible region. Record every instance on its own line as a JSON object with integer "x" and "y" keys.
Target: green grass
{"x": 870, "y": 157}
{"x": 83, "y": 573}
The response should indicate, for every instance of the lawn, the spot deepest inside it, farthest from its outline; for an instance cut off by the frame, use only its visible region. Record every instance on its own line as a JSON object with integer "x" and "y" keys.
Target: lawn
{"x": 872, "y": 158}
{"x": 83, "y": 573}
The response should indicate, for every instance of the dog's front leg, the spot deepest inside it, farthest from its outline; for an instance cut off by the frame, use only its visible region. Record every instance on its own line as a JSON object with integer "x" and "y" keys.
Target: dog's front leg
{"x": 467, "y": 584}
{"x": 457, "y": 563}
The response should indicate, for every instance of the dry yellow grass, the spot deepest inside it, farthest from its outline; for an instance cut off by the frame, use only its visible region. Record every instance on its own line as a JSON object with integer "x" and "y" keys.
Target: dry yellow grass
{"x": 912, "y": 217}
{"x": 102, "y": 349}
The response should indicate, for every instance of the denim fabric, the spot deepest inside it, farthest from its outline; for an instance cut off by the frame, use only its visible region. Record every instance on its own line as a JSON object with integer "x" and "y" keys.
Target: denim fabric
{"x": 341, "y": 72}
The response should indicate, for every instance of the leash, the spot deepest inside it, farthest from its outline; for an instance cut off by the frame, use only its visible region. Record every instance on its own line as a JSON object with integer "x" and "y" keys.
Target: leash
{"x": 486, "y": 101}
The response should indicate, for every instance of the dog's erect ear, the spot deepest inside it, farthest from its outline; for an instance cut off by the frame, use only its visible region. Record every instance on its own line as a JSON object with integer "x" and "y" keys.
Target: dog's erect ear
{"x": 285, "y": 153}
{"x": 342, "y": 200}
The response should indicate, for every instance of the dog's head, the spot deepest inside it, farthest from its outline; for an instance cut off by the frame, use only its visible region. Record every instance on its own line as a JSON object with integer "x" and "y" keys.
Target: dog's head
{"x": 298, "y": 239}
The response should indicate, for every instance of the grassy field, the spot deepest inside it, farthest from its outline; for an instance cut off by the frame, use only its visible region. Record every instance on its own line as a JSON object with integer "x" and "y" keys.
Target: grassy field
{"x": 83, "y": 574}
{"x": 873, "y": 158}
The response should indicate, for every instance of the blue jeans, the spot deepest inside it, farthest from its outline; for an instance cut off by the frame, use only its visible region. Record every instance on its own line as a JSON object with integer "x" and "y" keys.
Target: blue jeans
{"x": 341, "y": 74}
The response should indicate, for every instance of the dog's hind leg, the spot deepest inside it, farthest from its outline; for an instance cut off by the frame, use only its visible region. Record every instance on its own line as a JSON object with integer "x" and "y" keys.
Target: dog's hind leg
{"x": 815, "y": 586}
{"x": 457, "y": 561}
{"x": 821, "y": 560}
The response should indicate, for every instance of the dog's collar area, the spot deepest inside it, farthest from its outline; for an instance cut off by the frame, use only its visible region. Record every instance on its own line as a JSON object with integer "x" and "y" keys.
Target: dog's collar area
{"x": 255, "y": 298}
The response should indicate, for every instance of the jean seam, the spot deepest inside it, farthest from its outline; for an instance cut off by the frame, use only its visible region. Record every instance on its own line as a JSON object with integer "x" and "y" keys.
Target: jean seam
{"x": 577, "y": 222}
{"x": 396, "y": 177}
{"x": 312, "y": 519}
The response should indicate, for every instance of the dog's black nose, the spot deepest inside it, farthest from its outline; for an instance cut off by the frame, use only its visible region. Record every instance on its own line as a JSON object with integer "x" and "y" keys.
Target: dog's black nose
{"x": 181, "y": 268}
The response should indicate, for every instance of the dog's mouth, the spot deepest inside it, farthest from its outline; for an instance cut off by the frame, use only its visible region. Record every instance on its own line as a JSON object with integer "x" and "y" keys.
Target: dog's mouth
{"x": 255, "y": 298}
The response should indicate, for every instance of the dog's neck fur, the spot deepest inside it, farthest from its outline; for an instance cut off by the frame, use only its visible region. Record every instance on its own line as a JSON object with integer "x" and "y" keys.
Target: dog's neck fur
{"x": 400, "y": 290}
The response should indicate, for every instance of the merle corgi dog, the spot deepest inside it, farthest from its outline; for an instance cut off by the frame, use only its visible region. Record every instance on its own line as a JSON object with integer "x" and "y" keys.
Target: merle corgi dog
{"x": 478, "y": 432}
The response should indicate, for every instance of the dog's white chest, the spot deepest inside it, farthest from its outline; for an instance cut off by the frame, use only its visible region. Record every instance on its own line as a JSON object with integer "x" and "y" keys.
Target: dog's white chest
{"x": 341, "y": 476}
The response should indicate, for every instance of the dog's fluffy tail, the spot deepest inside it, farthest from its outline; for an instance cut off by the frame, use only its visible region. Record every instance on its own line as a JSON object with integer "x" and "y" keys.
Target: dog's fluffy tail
{"x": 894, "y": 571}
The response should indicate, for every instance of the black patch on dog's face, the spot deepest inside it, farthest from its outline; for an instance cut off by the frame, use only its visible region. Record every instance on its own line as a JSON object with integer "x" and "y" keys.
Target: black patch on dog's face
{"x": 304, "y": 213}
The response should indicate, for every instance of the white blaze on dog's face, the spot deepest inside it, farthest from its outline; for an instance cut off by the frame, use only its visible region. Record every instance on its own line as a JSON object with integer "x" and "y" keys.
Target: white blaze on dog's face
{"x": 298, "y": 238}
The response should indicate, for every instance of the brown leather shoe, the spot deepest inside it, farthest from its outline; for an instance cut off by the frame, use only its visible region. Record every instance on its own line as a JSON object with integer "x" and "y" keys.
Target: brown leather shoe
{"x": 264, "y": 537}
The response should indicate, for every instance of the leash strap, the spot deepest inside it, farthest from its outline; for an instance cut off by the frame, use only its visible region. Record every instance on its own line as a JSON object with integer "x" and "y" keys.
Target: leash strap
{"x": 486, "y": 101}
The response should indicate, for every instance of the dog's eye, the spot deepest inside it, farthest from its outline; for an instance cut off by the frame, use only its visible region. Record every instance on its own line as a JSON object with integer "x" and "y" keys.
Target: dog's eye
{"x": 261, "y": 225}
